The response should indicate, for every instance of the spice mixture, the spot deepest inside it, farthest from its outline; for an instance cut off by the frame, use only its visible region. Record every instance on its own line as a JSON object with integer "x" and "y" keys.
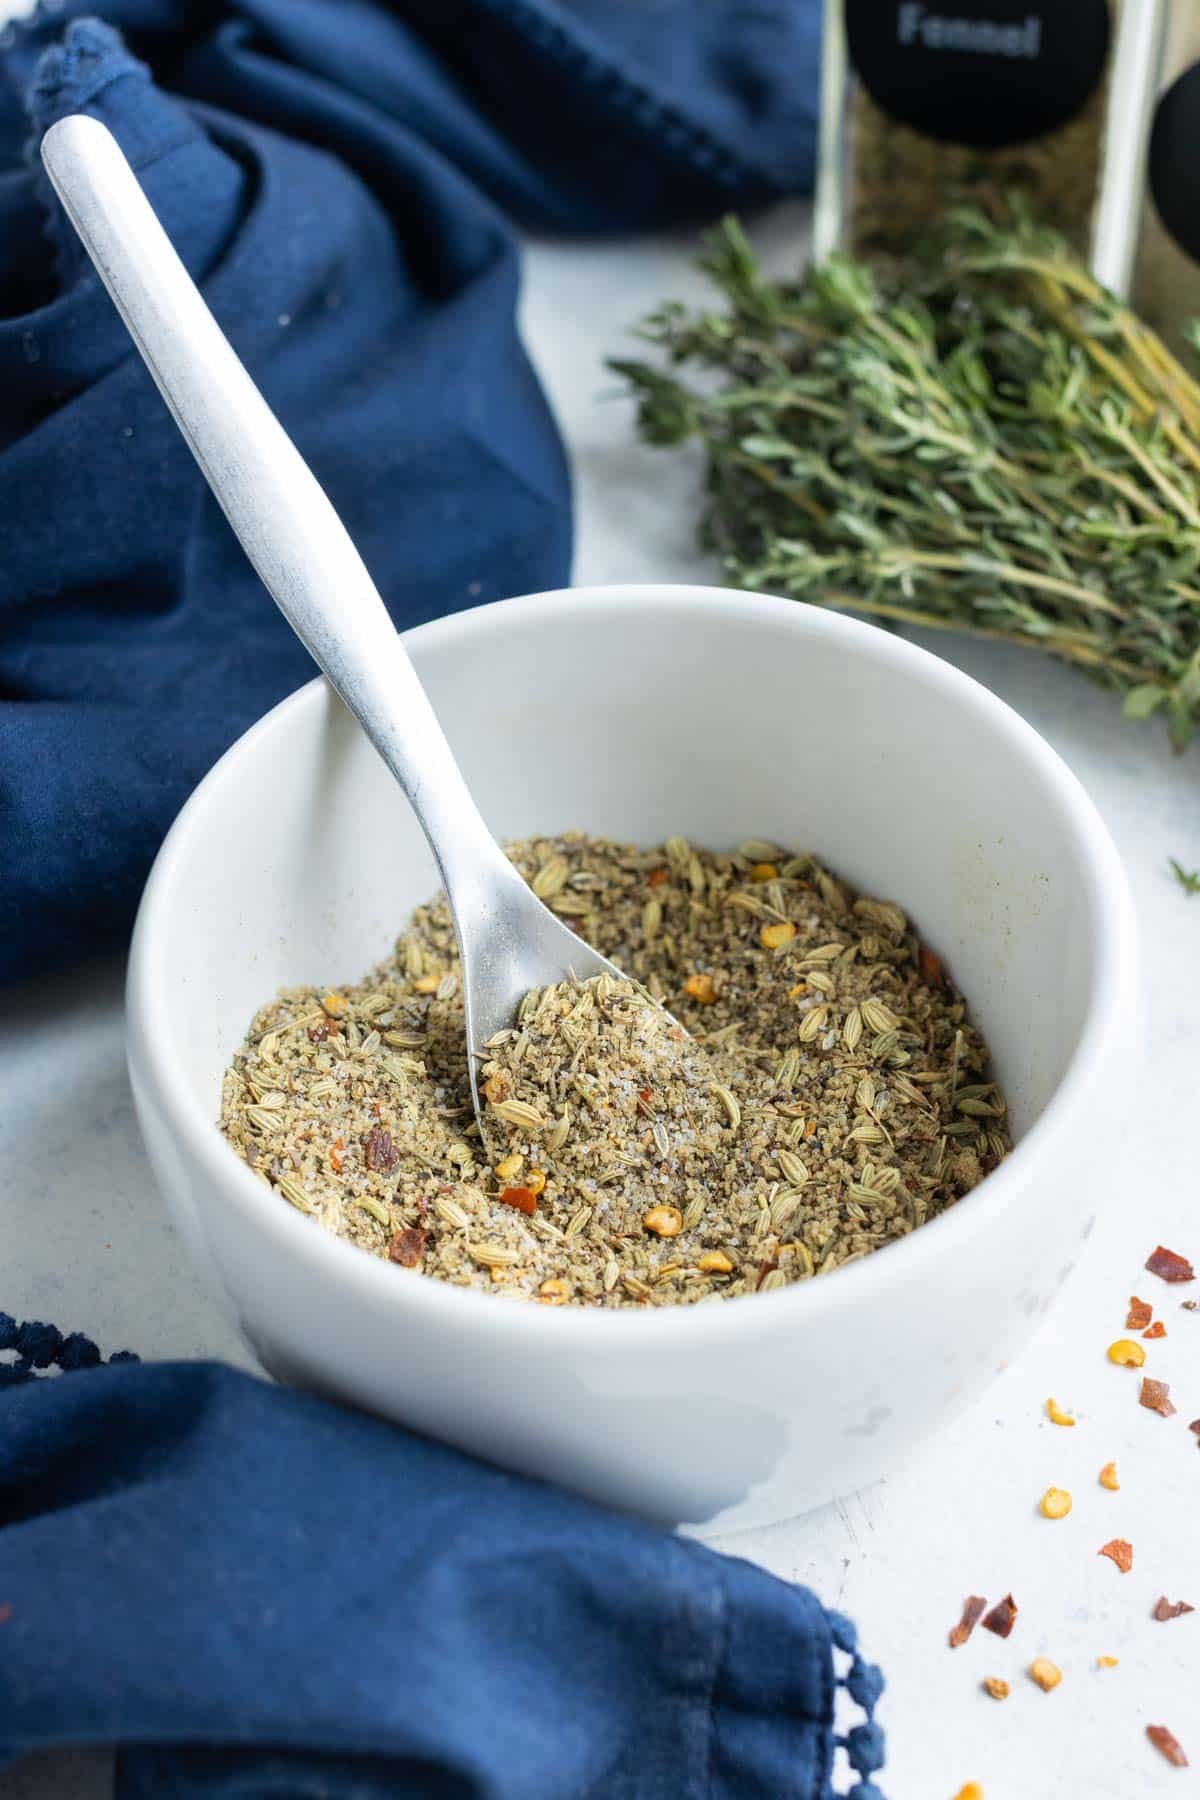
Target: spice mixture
{"x": 903, "y": 182}
{"x": 827, "y": 1095}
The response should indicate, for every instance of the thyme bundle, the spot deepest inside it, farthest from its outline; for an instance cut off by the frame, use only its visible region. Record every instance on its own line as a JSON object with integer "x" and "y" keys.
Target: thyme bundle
{"x": 993, "y": 444}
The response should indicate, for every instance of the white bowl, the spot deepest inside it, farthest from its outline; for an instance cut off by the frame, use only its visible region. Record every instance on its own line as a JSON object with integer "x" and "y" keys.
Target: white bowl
{"x": 634, "y": 713}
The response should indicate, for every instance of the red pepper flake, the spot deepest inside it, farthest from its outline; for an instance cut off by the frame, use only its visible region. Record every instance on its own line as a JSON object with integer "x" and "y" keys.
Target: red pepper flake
{"x": 1157, "y": 1330}
{"x": 1002, "y": 1617}
{"x": 1140, "y": 1313}
{"x": 1168, "y": 1609}
{"x": 1119, "y": 1551}
{"x": 335, "y": 1156}
{"x": 382, "y": 1154}
{"x": 523, "y": 1198}
{"x": 318, "y": 1033}
{"x": 1170, "y": 1266}
{"x": 645, "y": 1095}
{"x": 407, "y": 1246}
{"x": 656, "y": 877}
{"x": 1155, "y": 1396}
{"x": 930, "y": 965}
{"x": 972, "y": 1611}
{"x": 1168, "y": 1745}
{"x": 1195, "y": 1426}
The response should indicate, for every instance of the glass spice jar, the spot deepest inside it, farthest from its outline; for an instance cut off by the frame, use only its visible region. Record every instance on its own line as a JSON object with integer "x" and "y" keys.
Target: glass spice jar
{"x": 924, "y": 108}
{"x": 1166, "y": 286}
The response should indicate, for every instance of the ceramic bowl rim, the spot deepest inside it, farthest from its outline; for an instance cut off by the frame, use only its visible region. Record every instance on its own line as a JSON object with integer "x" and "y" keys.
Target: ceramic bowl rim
{"x": 155, "y": 1062}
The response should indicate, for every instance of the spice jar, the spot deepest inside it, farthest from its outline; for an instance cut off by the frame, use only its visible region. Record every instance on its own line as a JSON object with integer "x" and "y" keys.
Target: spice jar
{"x": 1166, "y": 289}
{"x": 925, "y": 108}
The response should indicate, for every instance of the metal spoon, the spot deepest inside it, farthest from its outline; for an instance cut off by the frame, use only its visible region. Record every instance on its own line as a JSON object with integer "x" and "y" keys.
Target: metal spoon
{"x": 508, "y": 941}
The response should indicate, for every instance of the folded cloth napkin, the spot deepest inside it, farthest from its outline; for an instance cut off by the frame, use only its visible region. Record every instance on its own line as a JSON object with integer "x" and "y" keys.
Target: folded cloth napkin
{"x": 331, "y": 176}
{"x": 256, "y": 1593}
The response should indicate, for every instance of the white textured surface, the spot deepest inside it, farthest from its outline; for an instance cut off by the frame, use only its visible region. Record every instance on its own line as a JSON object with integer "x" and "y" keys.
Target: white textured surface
{"x": 85, "y": 1242}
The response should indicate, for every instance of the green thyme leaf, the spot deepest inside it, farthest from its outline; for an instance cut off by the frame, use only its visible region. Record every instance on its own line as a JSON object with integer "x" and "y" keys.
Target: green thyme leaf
{"x": 990, "y": 443}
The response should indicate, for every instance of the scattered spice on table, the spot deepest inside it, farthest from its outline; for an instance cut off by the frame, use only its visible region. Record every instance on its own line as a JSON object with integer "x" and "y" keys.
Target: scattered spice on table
{"x": 996, "y": 1687}
{"x": 830, "y": 1098}
{"x": 1120, "y": 1552}
{"x": 1046, "y": 1674}
{"x": 1157, "y": 1330}
{"x": 1155, "y": 1396}
{"x": 1055, "y": 1503}
{"x": 1107, "y": 1662}
{"x": 971, "y": 1790}
{"x": 1056, "y": 1415}
{"x": 1108, "y": 1477}
{"x": 972, "y": 1612}
{"x": 1126, "y": 1354}
{"x": 1168, "y": 1745}
{"x": 1169, "y": 1265}
{"x": 1002, "y": 1617}
{"x": 1167, "y": 1609}
{"x": 1140, "y": 1313}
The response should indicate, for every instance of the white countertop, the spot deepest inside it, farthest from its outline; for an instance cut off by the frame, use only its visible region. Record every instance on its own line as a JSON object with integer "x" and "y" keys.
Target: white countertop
{"x": 86, "y": 1242}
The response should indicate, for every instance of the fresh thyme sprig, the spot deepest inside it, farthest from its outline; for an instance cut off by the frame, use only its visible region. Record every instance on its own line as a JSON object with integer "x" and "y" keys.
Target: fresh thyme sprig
{"x": 994, "y": 445}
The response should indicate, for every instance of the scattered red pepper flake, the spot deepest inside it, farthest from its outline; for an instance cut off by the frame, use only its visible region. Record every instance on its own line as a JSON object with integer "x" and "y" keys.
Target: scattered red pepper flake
{"x": 930, "y": 965}
{"x": 1140, "y": 1313}
{"x": 1168, "y": 1745}
{"x": 656, "y": 877}
{"x": 1169, "y": 1265}
{"x": 382, "y": 1154}
{"x": 407, "y": 1246}
{"x": 1002, "y": 1617}
{"x": 523, "y": 1198}
{"x": 1170, "y": 1609}
{"x": 1195, "y": 1426}
{"x": 1157, "y": 1330}
{"x": 972, "y": 1612}
{"x": 336, "y": 1161}
{"x": 1119, "y": 1551}
{"x": 325, "y": 1029}
{"x": 645, "y": 1095}
{"x": 1155, "y": 1396}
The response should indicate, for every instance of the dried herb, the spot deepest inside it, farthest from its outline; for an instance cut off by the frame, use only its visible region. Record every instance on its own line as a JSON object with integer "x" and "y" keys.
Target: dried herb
{"x": 972, "y": 1612}
{"x": 1155, "y": 1396}
{"x": 997, "y": 446}
{"x": 1119, "y": 1551}
{"x": 1166, "y": 1609}
{"x": 1169, "y": 1265}
{"x": 1188, "y": 879}
{"x": 1168, "y": 1745}
{"x": 1002, "y": 1617}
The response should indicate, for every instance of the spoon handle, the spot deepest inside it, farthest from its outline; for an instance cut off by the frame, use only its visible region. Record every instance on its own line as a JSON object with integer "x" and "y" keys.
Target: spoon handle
{"x": 278, "y": 509}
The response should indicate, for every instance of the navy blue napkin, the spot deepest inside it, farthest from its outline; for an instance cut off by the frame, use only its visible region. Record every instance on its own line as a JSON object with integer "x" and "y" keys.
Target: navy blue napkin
{"x": 333, "y": 172}
{"x": 256, "y": 1593}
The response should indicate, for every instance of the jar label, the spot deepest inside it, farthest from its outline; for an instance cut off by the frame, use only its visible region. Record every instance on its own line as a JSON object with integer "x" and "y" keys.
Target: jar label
{"x": 986, "y": 74}
{"x": 1174, "y": 173}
